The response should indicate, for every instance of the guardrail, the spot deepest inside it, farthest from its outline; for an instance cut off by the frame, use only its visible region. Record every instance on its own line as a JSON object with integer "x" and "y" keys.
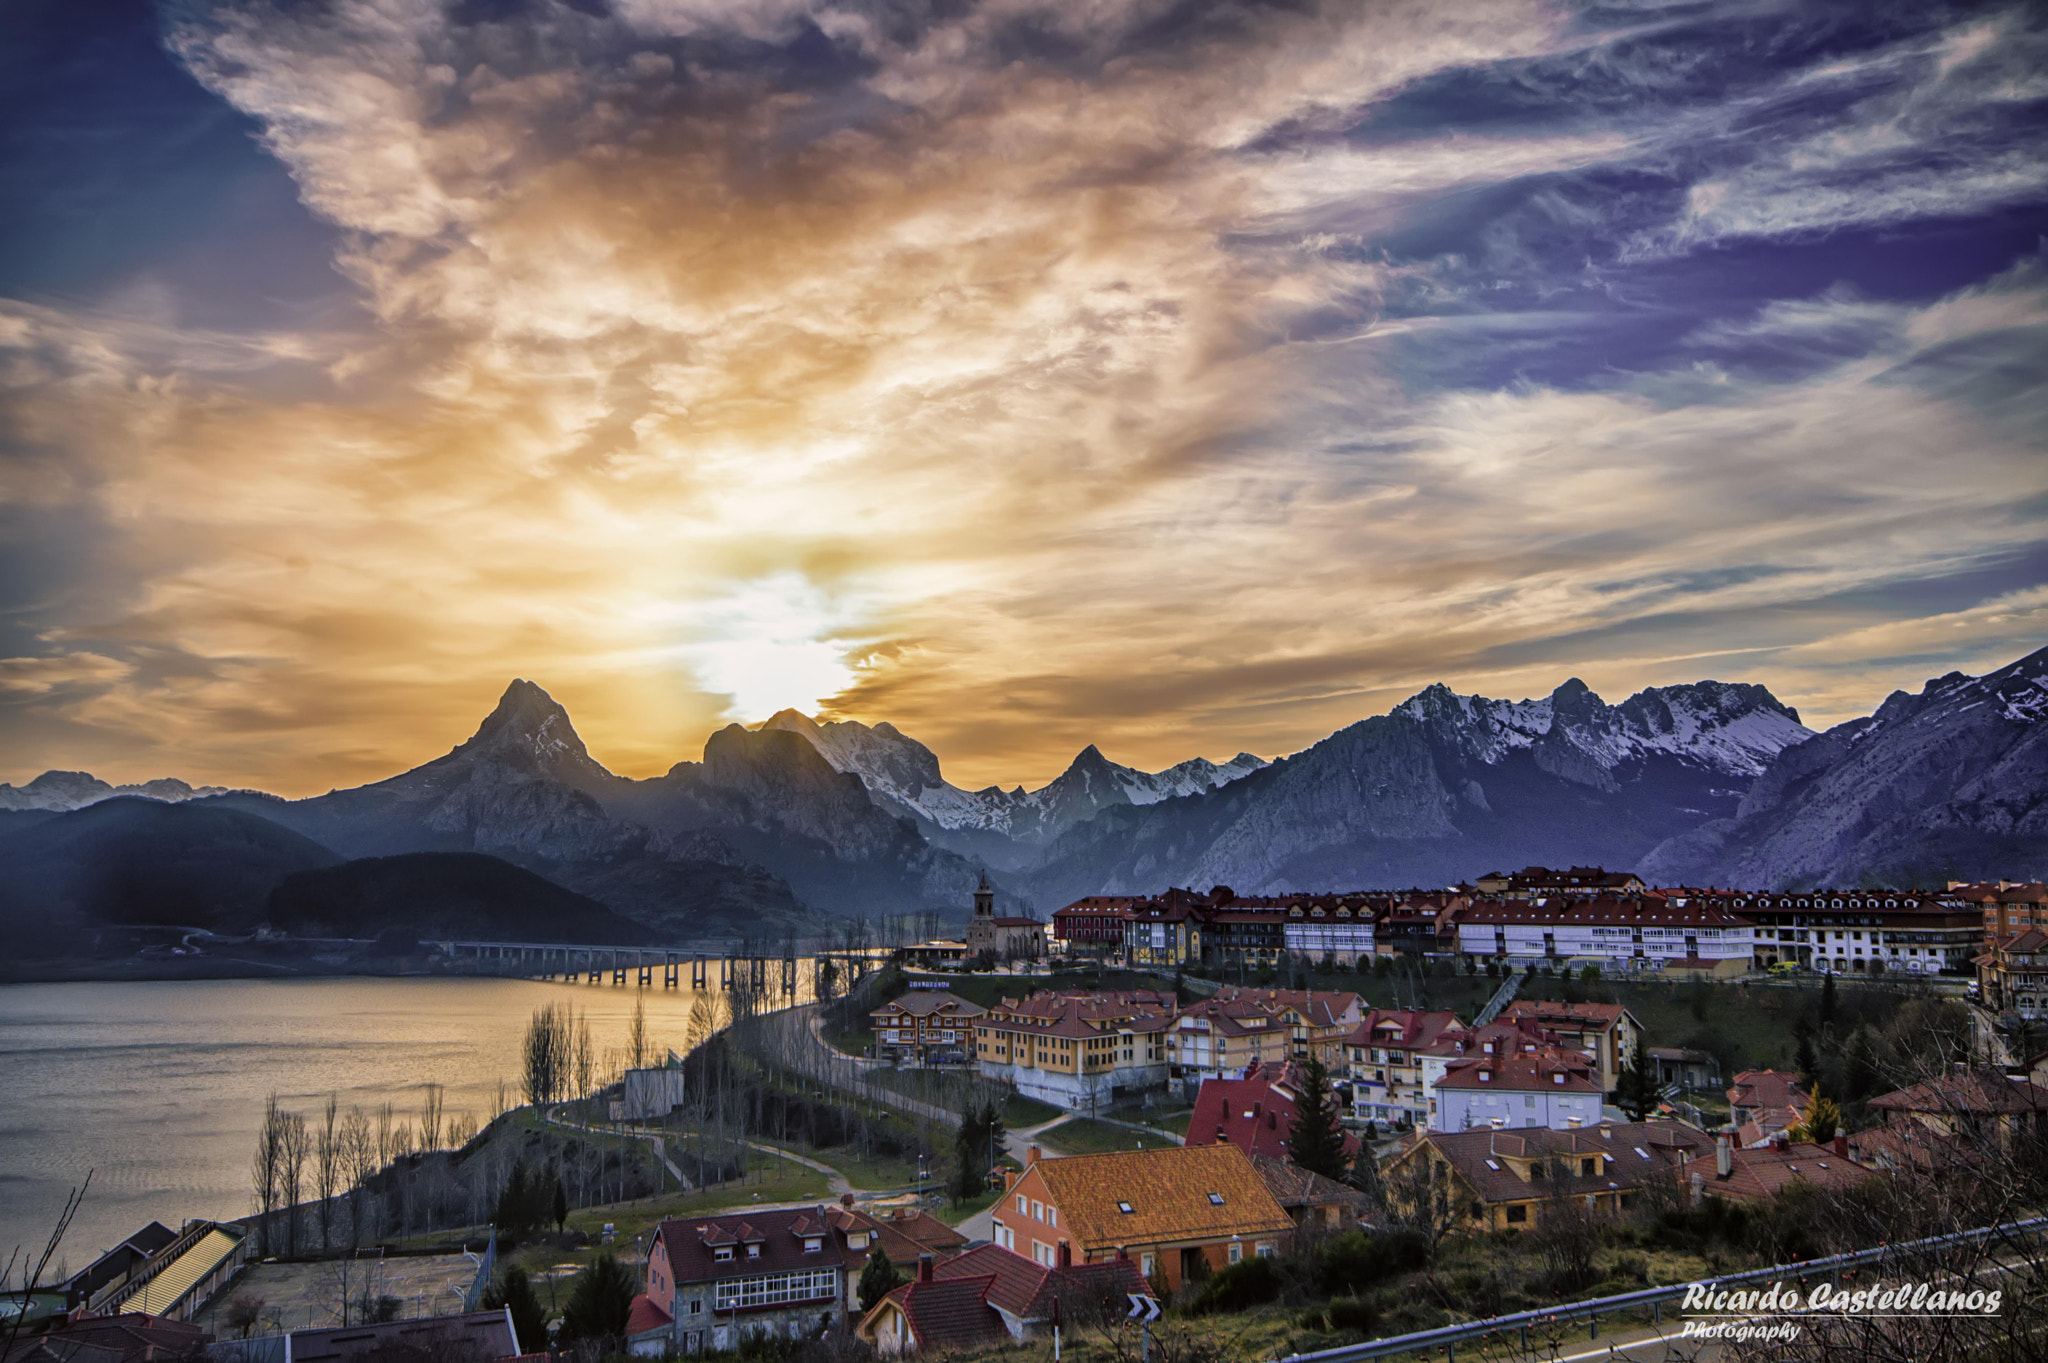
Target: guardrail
{"x": 1448, "y": 1337}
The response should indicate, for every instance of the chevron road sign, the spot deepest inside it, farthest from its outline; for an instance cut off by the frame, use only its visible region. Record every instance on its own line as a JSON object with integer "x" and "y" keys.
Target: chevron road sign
{"x": 1143, "y": 1307}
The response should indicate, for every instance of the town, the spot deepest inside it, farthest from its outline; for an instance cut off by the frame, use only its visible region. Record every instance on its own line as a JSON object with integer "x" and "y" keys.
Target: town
{"x": 1220, "y": 1126}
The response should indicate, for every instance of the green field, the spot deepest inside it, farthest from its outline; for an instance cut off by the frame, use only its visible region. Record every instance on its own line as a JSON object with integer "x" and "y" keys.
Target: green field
{"x": 1086, "y": 1136}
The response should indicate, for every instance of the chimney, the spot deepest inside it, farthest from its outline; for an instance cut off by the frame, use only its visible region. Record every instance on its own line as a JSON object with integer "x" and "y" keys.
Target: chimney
{"x": 924, "y": 1268}
{"x": 846, "y": 1199}
{"x": 1066, "y": 1255}
{"x": 1030, "y": 1156}
{"x": 1724, "y": 1155}
{"x": 1842, "y": 1145}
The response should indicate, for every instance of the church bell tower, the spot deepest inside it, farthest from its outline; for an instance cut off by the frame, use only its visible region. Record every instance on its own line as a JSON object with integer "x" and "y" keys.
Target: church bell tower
{"x": 984, "y": 899}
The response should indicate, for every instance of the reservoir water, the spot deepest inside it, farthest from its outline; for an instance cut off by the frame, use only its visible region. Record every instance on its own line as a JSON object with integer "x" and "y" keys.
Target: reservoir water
{"x": 158, "y": 1088}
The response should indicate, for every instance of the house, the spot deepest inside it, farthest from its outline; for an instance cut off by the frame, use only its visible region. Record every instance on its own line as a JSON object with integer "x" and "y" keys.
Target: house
{"x": 2012, "y": 977}
{"x": 131, "y": 1337}
{"x": 922, "y": 1023}
{"x": 1978, "y": 1107}
{"x": 1763, "y": 1103}
{"x": 1004, "y": 939}
{"x": 1310, "y": 1198}
{"x": 720, "y": 1278}
{"x": 1761, "y": 1174}
{"x": 1255, "y": 1113}
{"x": 934, "y": 1315}
{"x": 1383, "y": 1060}
{"x": 904, "y": 1234}
{"x": 1023, "y": 1292}
{"x": 1688, "y": 1068}
{"x": 650, "y": 1093}
{"x": 1318, "y": 1020}
{"x": 1527, "y": 1086}
{"x": 1221, "y": 1038}
{"x": 1501, "y": 1180}
{"x": 174, "y": 1281}
{"x": 1606, "y": 1031}
{"x": 1176, "y": 1212}
{"x": 1078, "y": 1051}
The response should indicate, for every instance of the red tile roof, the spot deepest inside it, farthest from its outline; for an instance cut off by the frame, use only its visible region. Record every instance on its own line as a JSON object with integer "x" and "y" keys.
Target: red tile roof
{"x": 1761, "y": 1174}
{"x": 950, "y": 1313}
{"x": 1026, "y": 1290}
{"x": 1546, "y": 1069}
{"x": 1976, "y": 1091}
{"x": 1407, "y": 1028}
{"x": 647, "y": 1315}
{"x": 689, "y": 1243}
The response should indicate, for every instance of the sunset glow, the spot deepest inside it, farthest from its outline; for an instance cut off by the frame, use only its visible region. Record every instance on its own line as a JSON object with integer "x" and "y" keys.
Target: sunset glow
{"x": 1179, "y": 378}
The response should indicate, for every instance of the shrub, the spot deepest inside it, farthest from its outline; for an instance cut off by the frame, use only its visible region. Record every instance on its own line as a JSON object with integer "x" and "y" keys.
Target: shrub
{"x": 1354, "y": 1313}
{"x": 1249, "y": 1283}
{"x": 1354, "y": 1260}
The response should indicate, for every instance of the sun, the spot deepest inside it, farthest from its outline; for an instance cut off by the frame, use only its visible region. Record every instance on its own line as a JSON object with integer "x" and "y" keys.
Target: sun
{"x": 770, "y": 645}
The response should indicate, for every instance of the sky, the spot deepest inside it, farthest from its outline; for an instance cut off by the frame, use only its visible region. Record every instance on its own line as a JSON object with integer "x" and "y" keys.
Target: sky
{"x": 1180, "y": 376}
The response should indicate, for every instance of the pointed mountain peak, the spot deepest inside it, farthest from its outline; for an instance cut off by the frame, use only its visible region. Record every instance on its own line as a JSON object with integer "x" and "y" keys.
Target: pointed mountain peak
{"x": 795, "y": 721}
{"x": 529, "y": 724}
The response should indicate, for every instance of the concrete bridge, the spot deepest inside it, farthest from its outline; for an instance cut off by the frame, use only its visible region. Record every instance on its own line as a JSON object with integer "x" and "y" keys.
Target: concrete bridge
{"x": 737, "y": 965}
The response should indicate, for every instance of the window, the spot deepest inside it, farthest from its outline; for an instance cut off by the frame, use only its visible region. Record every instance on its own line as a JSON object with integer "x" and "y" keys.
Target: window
{"x": 696, "y": 1306}
{"x": 1517, "y": 1215}
{"x": 777, "y": 1289}
{"x": 1146, "y": 1264}
{"x": 1266, "y": 1249}
{"x": 723, "y": 1254}
{"x": 1236, "y": 1251}
{"x": 1023, "y": 1205}
{"x": 812, "y": 1244}
{"x": 1052, "y": 1215}
{"x": 753, "y": 1251}
{"x": 1037, "y": 1210}
{"x": 1215, "y": 1199}
{"x": 1124, "y": 1207}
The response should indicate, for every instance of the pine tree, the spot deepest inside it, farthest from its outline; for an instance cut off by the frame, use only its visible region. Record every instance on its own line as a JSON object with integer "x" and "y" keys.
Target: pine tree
{"x": 877, "y": 1280}
{"x": 601, "y": 1302}
{"x": 1635, "y": 1089}
{"x": 1804, "y": 1057}
{"x": 514, "y": 1291}
{"x": 1316, "y": 1140}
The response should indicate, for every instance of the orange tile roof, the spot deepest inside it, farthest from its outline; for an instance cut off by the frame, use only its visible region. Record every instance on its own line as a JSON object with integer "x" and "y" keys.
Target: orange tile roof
{"x": 1169, "y": 1193}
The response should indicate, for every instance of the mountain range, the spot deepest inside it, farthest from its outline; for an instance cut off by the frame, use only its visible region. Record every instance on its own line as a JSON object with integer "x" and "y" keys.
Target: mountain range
{"x": 790, "y": 827}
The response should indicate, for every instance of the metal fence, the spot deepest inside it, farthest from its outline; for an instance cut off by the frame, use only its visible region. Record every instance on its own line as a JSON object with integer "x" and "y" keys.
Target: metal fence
{"x": 1448, "y": 1337}
{"x": 485, "y": 1267}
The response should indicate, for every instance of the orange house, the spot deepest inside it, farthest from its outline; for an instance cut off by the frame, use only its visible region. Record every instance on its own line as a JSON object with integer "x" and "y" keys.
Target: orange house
{"x": 1177, "y": 1213}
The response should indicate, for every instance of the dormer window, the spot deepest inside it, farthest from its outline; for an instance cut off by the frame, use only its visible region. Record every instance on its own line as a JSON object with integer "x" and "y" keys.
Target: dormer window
{"x": 1557, "y": 1078}
{"x": 753, "y": 1251}
{"x": 723, "y": 1254}
{"x": 813, "y": 1243}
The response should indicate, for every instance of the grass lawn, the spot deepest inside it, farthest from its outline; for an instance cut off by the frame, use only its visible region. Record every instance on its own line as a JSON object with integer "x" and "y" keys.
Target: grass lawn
{"x": 951, "y": 1089}
{"x": 869, "y": 1173}
{"x": 1019, "y": 1111}
{"x": 1086, "y": 1136}
{"x": 858, "y": 1042}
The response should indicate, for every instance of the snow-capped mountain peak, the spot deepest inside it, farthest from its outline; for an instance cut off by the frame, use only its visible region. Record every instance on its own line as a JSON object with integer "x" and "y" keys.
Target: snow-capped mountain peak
{"x": 1733, "y": 728}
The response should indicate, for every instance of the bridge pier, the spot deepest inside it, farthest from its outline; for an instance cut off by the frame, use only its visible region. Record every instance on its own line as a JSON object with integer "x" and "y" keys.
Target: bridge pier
{"x": 669, "y": 973}
{"x": 699, "y": 967}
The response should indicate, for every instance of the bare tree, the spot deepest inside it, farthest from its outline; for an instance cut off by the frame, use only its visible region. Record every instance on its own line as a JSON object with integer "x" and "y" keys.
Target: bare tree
{"x": 293, "y": 1147}
{"x": 430, "y": 1119}
{"x": 267, "y": 1172}
{"x": 358, "y": 1163}
{"x": 327, "y": 1165}
{"x": 636, "y": 1035}
{"x": 585, "y": 1057}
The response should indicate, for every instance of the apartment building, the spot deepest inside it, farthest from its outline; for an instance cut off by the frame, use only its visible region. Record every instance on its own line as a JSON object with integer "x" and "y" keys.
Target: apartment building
{"x": 720, "y": 1278}
{"x": 1219, "y": 1039}
{"x": 1605, "y": 1031}
{"x": 1861, "y": 932}
{"x": 924, "y": 1023}
{"x": 1078, "y": 1051}
{"x": 1530, "y": 1086}
{"x": 1318, "y": 1020}
{"x": 1383, "y": 1058}
{"x": 1504, "y": 1180}
{"x": 1640, "y": 931}
{"x": 1339, "y": 929}
{"x": 2012, "y": 977}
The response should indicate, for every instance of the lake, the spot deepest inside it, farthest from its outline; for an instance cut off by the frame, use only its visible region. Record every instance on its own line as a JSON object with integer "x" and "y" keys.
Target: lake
{"x": 158, "y": 1088}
